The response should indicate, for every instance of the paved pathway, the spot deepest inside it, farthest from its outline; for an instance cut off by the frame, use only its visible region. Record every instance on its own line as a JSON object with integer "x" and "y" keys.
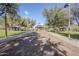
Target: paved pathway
{"x": 39, "y": 44}
{"x": 67, "y": 46}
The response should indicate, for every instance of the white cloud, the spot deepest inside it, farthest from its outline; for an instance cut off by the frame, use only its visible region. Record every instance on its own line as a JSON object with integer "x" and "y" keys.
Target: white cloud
{"x": 26, "y": 13}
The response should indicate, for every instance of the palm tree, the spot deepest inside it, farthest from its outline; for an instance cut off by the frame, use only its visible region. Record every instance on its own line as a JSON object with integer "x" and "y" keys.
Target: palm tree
{"x": 8, "y": 9}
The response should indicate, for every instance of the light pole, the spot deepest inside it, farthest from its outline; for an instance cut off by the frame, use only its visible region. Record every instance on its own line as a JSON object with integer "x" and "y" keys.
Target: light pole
{"x": 68, "y": 5}
{"x": 69, "y": 22}
{"x": 5, "y": 22}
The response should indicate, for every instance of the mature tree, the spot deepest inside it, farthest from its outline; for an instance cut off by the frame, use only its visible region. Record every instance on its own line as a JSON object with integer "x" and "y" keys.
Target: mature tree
{"x": 56, "y": 17}
{"x": 46, "y": 13}
{"x": 75, "y": 12}
{"x": 26, "y": 22}
{"x": 32, "y": 23}
{"x": 8, "y": 9}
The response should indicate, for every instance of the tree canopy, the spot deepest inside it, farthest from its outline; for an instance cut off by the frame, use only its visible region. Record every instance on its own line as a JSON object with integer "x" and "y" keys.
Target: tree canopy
{"x": 55, "y": 17}
{"x": 8, "y": 9}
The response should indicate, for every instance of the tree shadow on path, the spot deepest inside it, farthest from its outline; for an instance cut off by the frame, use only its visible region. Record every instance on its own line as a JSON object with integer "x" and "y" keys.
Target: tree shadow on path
{"x": 31, "y": 46}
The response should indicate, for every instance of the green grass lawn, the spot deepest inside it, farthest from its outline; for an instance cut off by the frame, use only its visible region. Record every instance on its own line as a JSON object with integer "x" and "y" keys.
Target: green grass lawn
{"x": 10, "y": 33}
{"x": 74, "y": 35}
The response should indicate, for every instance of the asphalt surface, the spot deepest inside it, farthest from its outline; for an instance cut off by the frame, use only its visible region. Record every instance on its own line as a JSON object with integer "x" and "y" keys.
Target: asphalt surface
{"x": 28, "y": 44}
{"x": 37, "y": 44}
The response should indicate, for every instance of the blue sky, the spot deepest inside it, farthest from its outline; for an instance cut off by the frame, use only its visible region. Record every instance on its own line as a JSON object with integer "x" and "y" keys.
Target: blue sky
{"x": 34, "y": 10}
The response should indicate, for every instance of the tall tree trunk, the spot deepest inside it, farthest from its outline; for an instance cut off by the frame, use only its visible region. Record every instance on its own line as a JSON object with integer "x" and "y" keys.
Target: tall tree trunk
{"x": 5, "y": 22}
